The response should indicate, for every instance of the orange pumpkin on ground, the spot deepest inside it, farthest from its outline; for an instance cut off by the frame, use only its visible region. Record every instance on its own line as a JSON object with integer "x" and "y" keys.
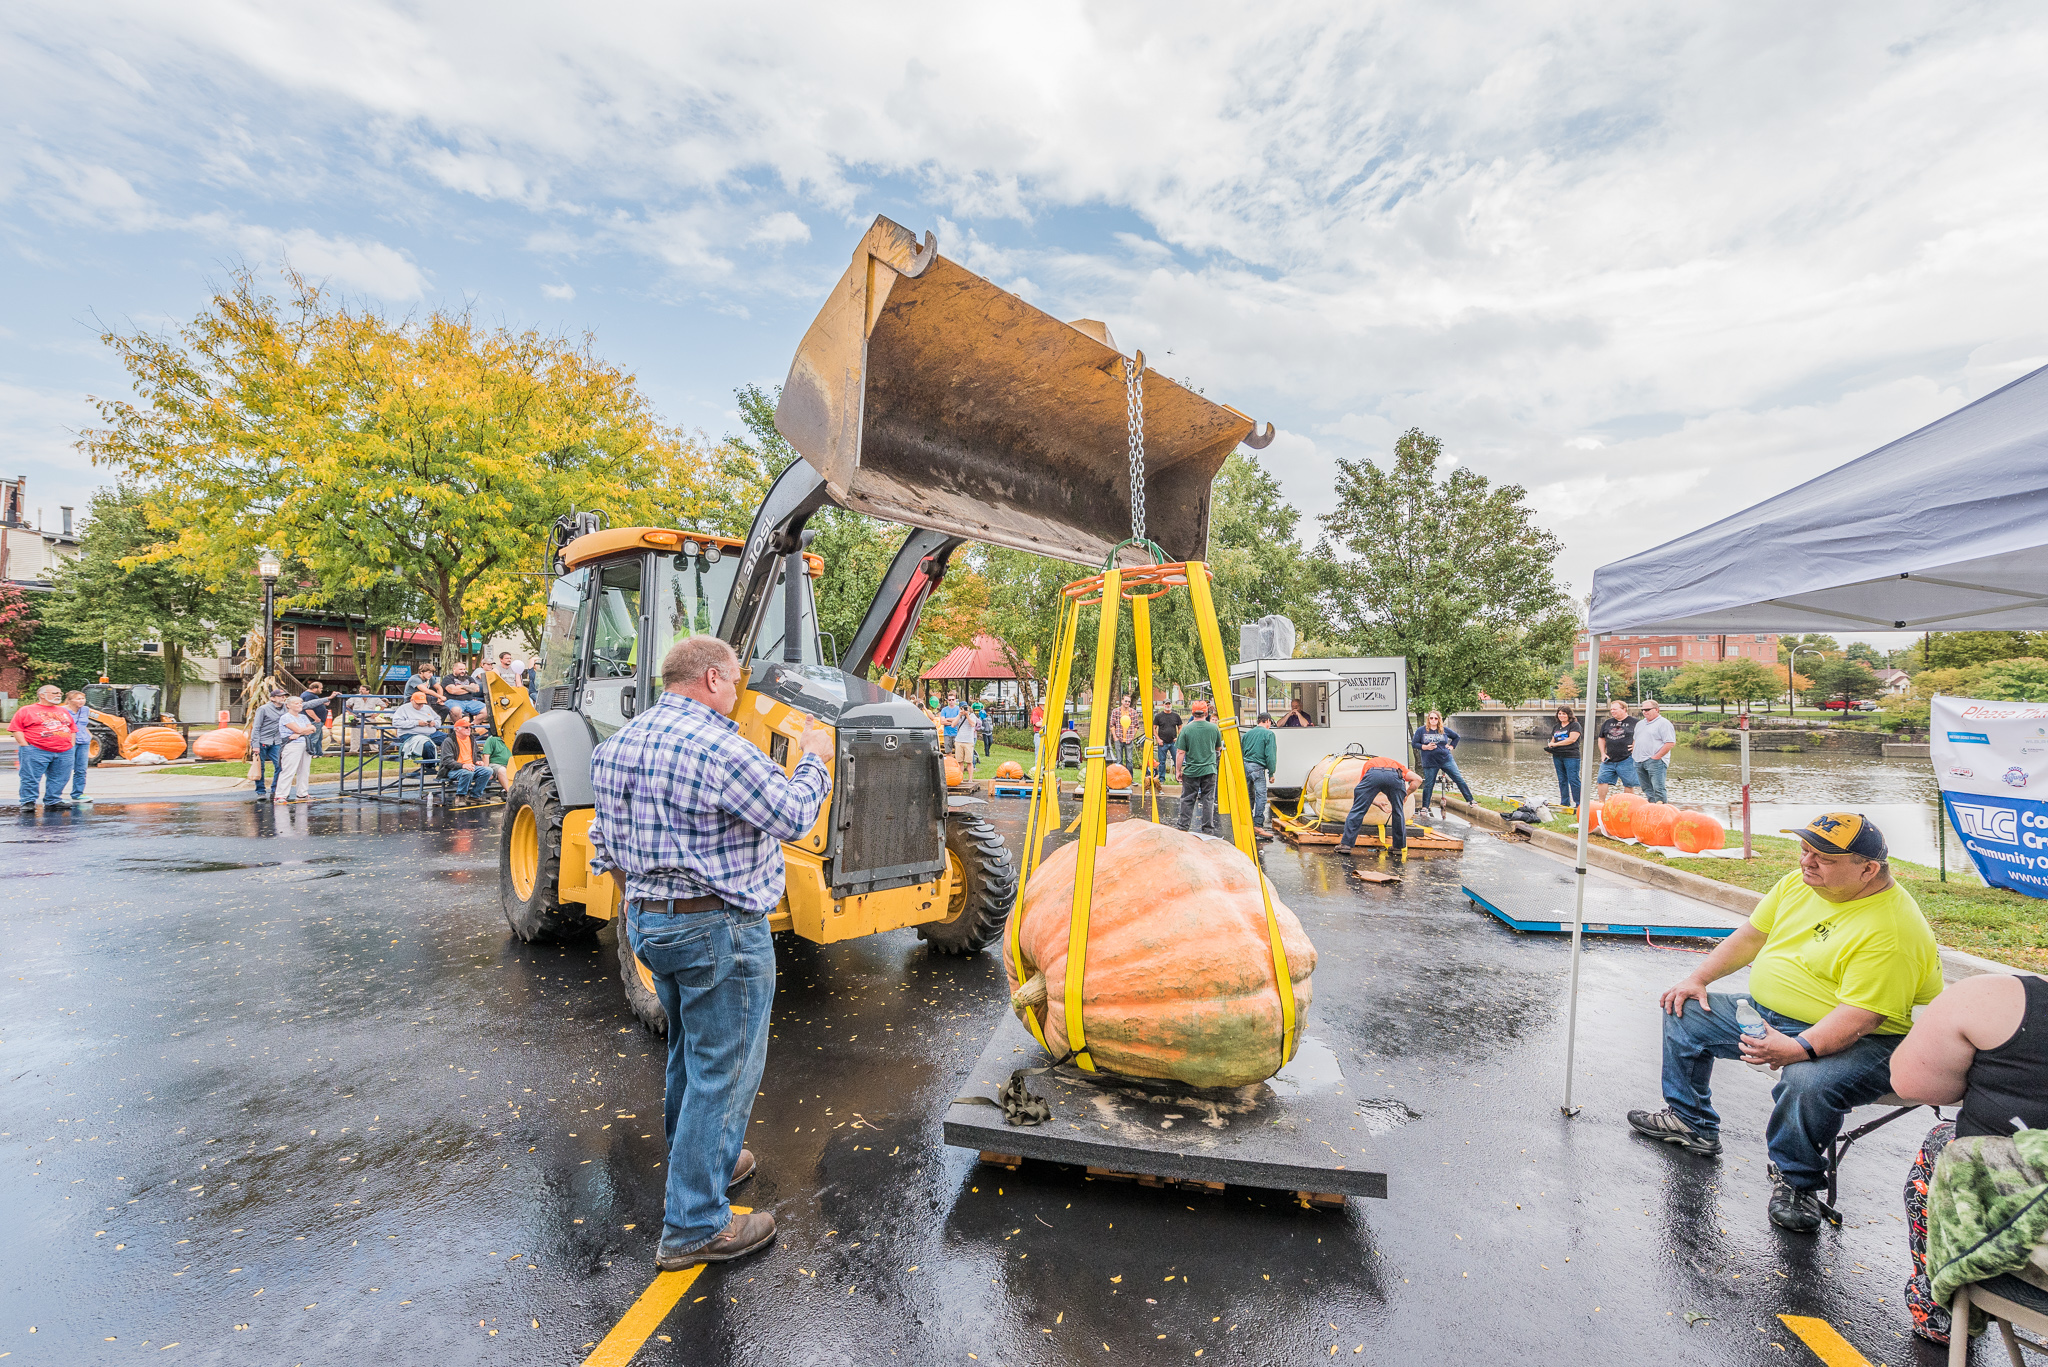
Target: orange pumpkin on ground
{"x": 158, "y": 740}
{"x": 955, "y": 775}
{"x": 1009, "y": 768}
{"x": 1179, "y": 977}
{"x": 1118, "y": 776}
{"x": 1343, "y": 772}
{"x": 1617, "y": 814}
{"x": 226, "y": 742}
{"x": 1654, "y": 822}
{"x": 1697, "y": 831}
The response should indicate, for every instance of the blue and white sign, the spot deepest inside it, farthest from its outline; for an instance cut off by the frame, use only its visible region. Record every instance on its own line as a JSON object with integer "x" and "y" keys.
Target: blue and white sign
{"x": 1991, "y": 760}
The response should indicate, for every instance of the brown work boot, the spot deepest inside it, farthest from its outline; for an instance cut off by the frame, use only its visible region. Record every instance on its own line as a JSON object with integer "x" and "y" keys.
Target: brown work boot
{"x": 745, "y": 1234}
{"x": 742, "y": 1170}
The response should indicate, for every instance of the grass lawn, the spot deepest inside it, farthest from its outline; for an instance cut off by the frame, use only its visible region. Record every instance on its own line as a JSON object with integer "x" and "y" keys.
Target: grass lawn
{"x": 239, "y": 768}
{"x": 1964, "y": 912}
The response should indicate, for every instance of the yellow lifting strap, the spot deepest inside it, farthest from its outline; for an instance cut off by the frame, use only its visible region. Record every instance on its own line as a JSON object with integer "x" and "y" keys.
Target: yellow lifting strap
{"x": 1233, "y": 783}
{"x": 1141, "y": 634}
{"x": 1094, "y": 819}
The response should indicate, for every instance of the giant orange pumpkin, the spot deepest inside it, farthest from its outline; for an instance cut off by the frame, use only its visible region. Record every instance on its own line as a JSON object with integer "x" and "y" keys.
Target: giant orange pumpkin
{"x": 226, "y": 742}
{"x": 1179, "y": 980}
{"x": 157, "y": 740}
{"x": 955, "y": 775}
{"x": 1009, "y": 768}
{"x": 1696, "y": 831}
{"x": 1118, "y": 776}
{"x": 1342, "y": 772}
{"x": 1654, "y": 821}
{"x": 1617, "y": 814}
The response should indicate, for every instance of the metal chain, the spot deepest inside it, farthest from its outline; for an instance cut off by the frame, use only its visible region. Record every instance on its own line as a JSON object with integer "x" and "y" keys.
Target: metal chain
{"x": 1134, "y": 421}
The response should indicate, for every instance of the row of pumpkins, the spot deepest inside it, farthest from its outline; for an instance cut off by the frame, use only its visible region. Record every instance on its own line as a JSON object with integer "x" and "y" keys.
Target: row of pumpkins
{"x": 225, "y": 743}
{"x": 1631, "y": 816}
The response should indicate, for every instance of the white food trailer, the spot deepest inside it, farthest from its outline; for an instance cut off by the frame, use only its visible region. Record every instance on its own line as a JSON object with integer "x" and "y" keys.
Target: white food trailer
{"x": 1354, "y": 700}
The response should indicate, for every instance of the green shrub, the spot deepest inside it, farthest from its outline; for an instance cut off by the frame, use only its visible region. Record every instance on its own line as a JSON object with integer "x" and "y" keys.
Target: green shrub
{"x": 1715, "y": 740}
{"x": 1016, "y": 737}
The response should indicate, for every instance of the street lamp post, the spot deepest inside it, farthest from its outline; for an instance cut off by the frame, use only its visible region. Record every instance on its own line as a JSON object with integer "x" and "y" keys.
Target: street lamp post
{"x": 268, "y": 568}
{"x": 1790, "y": 706}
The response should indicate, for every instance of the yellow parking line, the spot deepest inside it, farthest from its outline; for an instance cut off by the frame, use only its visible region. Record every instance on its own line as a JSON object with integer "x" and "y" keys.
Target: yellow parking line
{"x": 645, "y": 1315}
{"x": 1827, "y": 1345}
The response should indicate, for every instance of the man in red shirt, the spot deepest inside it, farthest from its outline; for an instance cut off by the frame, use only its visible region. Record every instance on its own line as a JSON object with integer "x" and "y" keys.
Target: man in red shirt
{"x": 43, "y": 734}
{"x": 1383, "y": 777}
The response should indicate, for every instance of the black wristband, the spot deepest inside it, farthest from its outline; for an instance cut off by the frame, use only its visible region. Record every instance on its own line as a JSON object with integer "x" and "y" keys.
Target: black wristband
{"x": 1807, "y": 1045}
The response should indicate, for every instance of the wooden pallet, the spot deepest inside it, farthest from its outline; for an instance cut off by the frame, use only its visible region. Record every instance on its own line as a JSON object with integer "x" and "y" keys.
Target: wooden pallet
{"x": 1302, "y": 833}
{"x": 1311, "y": 1200}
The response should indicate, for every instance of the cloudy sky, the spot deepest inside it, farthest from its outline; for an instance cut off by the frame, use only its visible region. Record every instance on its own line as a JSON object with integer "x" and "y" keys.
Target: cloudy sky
{"x": 1653, "y": 262}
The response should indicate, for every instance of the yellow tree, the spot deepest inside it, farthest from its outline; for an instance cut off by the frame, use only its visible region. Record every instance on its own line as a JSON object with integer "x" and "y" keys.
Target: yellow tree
{"x": 433, "y": 451}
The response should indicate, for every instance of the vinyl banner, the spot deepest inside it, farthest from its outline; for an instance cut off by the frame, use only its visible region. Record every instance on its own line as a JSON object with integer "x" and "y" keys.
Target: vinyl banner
{"x": 1991, "y": 760}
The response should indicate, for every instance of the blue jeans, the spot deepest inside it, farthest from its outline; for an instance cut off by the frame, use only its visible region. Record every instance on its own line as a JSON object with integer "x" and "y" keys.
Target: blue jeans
{"x": 1622, "y": 771}
{"x": 81, "y": 760}
{"x": 1372, "y": 783}
{"x": 266, "y": 757}
{"x": 38, "y": 765}
{"x": 473, "y": 706}
{"x": 1447, "y": 770}
{"x": 1255, "y": 781}
{"x": 1651, "y": 772}
{"x": 715, "y": 974}
{"x": 1571, "y": 774}
{"x": 1809, "y": 1099}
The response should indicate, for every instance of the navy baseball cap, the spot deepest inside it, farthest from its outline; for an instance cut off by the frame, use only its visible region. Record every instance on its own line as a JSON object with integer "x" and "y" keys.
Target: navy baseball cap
{"x": 1842, "y": 833}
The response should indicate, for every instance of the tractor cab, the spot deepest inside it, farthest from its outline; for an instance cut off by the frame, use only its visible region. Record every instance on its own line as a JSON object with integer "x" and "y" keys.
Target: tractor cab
{"x": 118, "y": 709}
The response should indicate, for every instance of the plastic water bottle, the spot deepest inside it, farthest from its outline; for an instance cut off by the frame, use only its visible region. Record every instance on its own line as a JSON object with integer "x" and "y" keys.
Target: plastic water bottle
{"x": 1751, "y": 1023}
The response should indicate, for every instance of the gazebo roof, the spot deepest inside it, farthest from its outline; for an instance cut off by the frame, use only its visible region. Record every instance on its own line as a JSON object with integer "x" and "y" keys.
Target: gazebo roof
{"x": 982, "y": 660}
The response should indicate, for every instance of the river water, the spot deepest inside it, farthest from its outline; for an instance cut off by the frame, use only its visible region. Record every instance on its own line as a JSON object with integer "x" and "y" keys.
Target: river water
{"x": 1899, "y": 795}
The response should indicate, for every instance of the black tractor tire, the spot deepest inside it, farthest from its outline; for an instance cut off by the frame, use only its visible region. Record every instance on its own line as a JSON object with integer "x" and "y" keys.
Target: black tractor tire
{"x": 639, "y": 984}
{"x": 530, "y": 862}
{"x": 984, "y": 888}
{"x": 105, "y": 745}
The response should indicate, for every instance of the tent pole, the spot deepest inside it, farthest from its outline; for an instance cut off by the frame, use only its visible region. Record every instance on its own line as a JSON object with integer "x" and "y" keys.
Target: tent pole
{"x": 1588, "y": 771}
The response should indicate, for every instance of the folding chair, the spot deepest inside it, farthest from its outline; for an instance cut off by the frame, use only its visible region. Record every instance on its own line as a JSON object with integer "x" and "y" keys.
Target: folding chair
{"x": 2010, "y": 1302}
{"x": 1839, "y": 1150}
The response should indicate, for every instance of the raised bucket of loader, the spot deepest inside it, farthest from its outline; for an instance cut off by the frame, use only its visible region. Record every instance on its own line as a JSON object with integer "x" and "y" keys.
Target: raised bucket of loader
{"x": 925, "y": 394}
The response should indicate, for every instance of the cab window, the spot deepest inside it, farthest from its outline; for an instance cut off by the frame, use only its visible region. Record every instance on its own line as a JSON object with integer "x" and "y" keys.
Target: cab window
{"x": 615, "y": 638}
{"x": 562, "y": 633}
{"x": 690, "y": 594}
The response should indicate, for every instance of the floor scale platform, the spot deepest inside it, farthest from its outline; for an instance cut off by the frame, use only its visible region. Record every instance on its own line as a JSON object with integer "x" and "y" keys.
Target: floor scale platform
{"x": 1304, "y": 1130}
{"x": 1540, "y": 899}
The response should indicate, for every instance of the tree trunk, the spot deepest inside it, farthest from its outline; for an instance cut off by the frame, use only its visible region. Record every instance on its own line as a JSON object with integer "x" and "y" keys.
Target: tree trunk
{"x": 448, "y": 617}
{"x": 174, "y": 678}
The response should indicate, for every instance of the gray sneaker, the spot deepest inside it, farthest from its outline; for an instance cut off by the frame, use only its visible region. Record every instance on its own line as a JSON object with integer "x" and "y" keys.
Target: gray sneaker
{"x": 1666, "y": 1125}
{"x": 1793, "y": 1209}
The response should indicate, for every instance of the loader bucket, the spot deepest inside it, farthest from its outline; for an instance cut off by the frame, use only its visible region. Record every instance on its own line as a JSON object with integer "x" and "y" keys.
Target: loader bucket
{"x": 926, "y": 395}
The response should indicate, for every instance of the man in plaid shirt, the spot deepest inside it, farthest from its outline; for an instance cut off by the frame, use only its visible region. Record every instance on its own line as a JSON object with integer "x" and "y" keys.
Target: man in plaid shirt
{"x": 689, "y": 823}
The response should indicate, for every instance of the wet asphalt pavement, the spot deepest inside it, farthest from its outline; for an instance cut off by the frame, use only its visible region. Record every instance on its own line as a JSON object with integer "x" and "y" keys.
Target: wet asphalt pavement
{"x": 290, "y": 1092}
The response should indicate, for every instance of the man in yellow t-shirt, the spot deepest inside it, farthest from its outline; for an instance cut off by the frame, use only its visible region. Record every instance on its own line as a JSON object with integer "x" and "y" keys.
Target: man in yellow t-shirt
{"x": 1838, "y": 957}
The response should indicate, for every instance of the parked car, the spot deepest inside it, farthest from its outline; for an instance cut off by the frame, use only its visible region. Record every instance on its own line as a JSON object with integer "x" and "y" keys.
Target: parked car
{"x": 1848, "y": 705}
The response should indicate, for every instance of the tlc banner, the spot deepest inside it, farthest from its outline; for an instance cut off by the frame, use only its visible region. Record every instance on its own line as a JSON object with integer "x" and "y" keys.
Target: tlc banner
{"x": 1991, "y": 760}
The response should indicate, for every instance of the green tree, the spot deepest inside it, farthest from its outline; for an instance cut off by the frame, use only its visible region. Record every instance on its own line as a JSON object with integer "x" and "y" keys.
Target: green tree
{"x": 1867, "y": 653}
{"x": 2021, "y": 680}
{"x": 1957, "y": 649}
{"x": 1453, "y": 574}
{"x": 1811, "y": 641}
{"x": 434, "y": 450}
{"x": 121, "y": 592}
{"x": 1841, "y": 680}
{"x": 1697, "y": 683}
{"x": 1751, "y": 681}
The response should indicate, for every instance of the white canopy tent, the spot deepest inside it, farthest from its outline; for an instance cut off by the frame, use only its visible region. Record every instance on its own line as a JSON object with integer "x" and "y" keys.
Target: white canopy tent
{"x": 1945, "y": 529}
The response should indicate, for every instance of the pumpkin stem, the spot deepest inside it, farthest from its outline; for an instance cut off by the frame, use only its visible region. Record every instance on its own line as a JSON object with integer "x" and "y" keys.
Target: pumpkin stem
{"x": 1029, "y": 997}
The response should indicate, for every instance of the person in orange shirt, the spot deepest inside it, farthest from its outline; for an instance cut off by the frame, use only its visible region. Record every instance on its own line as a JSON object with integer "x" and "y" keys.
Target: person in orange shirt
{"x": 1383, "y": 777}
{"x": 44, "y": 732}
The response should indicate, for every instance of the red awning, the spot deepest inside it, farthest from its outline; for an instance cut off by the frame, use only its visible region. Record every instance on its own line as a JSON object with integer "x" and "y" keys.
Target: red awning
{"x": 420, "y": 635}
{"x": 982, "y": 660}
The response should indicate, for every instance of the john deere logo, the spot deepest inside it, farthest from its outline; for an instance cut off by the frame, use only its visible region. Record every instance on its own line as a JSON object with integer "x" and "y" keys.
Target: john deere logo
{"x": 888, "y": 742}
{"x": 1823, "y": 930}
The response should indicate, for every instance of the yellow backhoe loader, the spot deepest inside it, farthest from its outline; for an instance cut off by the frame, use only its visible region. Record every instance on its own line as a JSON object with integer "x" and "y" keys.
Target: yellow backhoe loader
{"x": 922, "y": 394}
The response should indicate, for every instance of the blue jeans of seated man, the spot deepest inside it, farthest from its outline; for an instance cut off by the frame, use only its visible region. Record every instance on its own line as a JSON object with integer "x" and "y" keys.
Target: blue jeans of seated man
{"x": 1570, "y": 775}
{"x": 1651, "y": 772}
{"x": 1809, "y": 1099}
{"x": 1371, "y": 784}
{"x": 1447, "y": 771}
{"x": 715, "y": 974}
{"x": 38, "y": 765}
{"x": 473, "y": 706}
{"x": 81, "y": 760}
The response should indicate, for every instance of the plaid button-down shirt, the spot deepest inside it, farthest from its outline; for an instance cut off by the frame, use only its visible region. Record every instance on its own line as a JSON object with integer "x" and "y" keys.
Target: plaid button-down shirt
{"x": 687, "y": 808}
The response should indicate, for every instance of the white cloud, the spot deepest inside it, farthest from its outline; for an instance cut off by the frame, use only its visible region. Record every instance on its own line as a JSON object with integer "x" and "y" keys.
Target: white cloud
{"x": 559, "y": 293}
{"x": 1653, "y": 263}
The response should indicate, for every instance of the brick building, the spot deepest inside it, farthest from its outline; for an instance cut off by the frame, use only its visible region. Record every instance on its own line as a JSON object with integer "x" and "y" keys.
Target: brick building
{"x": 1668, "y": 652}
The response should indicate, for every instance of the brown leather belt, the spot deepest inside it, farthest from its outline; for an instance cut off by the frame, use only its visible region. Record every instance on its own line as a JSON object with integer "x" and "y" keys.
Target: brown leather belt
{"x": 678, "y": 906}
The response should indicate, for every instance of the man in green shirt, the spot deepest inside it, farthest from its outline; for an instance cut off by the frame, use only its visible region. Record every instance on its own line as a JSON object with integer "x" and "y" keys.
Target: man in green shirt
{"x": 1199, "y": 742}
{"x": 1838, "y": 957}
{"x": 1261, "y": 758}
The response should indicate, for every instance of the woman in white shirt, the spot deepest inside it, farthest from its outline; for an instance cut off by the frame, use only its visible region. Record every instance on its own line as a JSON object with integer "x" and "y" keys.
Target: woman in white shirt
{"x": 294, "y": 761}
